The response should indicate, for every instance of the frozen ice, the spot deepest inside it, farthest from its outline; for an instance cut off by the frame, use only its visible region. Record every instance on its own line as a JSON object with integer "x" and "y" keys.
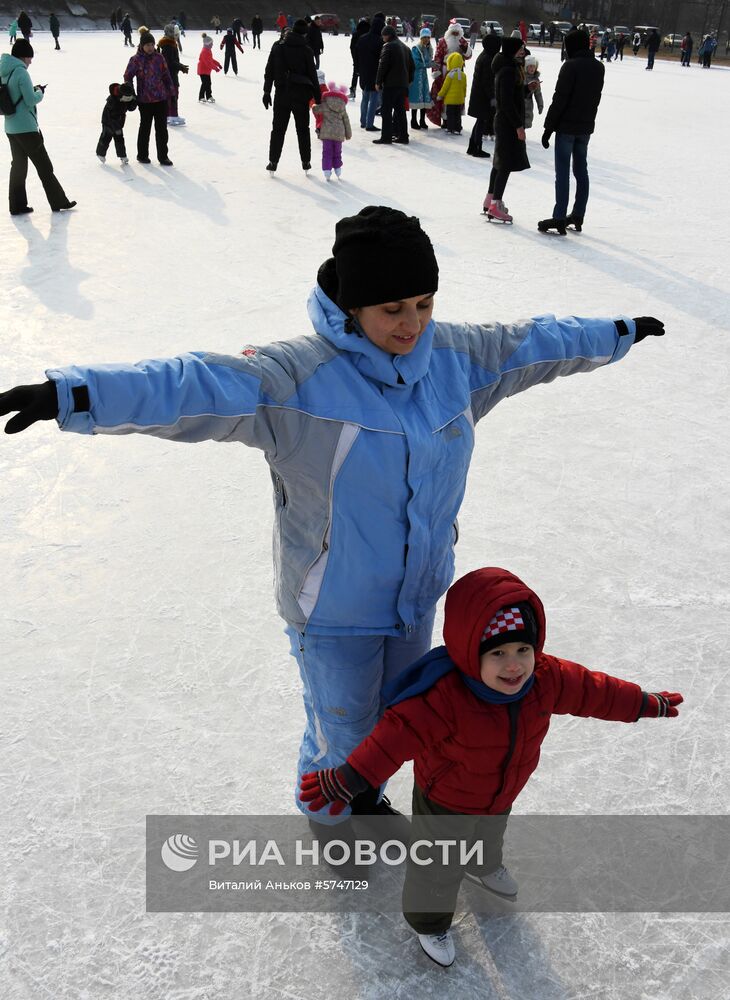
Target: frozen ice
{"x": 143, "y": 667}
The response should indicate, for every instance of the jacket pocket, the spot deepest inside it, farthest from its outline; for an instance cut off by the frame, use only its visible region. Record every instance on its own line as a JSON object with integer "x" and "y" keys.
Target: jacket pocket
{"x": 437, "y": 776}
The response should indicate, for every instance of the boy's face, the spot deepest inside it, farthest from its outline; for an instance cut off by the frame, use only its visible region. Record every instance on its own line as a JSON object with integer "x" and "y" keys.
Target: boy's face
{"x": 506, "y": 668}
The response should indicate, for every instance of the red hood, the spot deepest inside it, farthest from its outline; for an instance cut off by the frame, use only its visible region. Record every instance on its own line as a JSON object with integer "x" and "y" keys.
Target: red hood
{"x": 472, "y": 601}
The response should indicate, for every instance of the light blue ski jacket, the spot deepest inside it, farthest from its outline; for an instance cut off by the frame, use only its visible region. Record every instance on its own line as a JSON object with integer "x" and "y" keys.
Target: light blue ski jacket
{"x": 368, "y": 452}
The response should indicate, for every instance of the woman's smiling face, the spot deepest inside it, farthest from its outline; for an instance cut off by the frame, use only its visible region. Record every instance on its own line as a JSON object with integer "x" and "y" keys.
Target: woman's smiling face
{"x": 395, "y": 327}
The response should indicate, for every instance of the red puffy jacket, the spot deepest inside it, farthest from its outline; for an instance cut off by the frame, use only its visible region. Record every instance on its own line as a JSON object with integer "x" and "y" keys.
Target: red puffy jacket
{"x": 460, "y": 745}
{"x": 207, "y": 62}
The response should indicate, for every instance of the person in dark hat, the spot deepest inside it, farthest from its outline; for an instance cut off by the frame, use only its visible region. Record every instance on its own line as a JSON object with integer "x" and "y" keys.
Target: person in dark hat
{"x": 510, "y": 149}
{"x": 24, "y": 135}
{"x": 472, "y": 715}
{"x": 572, "y": 118}
{"x": 395, "y": 74}
{"x": 290, "y": 69}
{"x": 154, "y": 88}
{"x": 481, "y": 97}
{"x": 368, "y": 427}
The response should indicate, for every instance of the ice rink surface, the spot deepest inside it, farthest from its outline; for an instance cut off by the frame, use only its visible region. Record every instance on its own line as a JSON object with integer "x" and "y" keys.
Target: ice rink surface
{"x": 143, "y": 668}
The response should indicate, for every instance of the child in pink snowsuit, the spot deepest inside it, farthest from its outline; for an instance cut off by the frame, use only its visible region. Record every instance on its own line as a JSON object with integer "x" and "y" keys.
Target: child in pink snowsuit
{"x": 335, "y": 128}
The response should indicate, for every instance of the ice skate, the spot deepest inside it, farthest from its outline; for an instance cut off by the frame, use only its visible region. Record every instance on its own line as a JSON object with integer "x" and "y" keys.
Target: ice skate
{"x": 575, "y": 222}
{"x": 439, "y": 948}
{"x": 211, "y": 100}
{"x": 486, "y": 203}
{"x": 500, "y": 882}
{"x": 271, "y": 167}
{"x": 124, "y": 160}
{"x": 338, "y": 172}
{"x": 497, "y": 212}
{"x": 545, "y": 225}
{"x": 306, "y": 167}
{"x": 327, "y": 175}
{"x": 101, "y": 159}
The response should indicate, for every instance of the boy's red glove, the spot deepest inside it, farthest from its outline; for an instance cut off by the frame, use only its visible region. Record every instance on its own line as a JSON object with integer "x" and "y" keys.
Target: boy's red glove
{"x": 660, "y": 705}
{"x": 338, "y": 785}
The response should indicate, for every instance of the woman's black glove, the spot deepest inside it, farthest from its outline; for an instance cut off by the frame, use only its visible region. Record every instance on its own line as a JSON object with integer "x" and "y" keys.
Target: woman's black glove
{"x": 33, "y": 402}
{"x": 646, "y": 326}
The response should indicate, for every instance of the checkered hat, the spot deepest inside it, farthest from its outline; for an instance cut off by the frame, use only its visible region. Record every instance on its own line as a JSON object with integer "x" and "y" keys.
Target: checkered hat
{"x": 515, "y": 623}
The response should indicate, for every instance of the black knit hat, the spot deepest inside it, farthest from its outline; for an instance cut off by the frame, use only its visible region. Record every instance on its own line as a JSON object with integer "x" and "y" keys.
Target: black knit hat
{"x": 146, "y": 38}
{"x": 389, "y": 31}
{"x": 22, "y": 49}
{"x": 381, "y": 255}
{"x": 515, "y": 623}
{"x": 575, "y": 41}
{"x": 300, "y": 26}
{"x": 511, "y": 46}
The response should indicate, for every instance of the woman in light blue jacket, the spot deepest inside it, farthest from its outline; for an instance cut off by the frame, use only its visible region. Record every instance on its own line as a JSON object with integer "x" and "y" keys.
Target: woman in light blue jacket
{"x": 419, "y": 92}
{"x": 24, "y": 135}
{"x": 367, "y": 426}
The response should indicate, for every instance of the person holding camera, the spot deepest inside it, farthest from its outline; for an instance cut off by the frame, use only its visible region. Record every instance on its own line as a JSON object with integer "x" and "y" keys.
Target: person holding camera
{"x": 24, "y": 135}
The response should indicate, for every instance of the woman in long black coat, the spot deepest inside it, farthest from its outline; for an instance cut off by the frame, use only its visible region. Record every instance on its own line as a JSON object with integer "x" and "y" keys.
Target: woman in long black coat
{"x": 481, "y": 99}
{"x": 510, "y": 149}
{"x": 363, "y": 27}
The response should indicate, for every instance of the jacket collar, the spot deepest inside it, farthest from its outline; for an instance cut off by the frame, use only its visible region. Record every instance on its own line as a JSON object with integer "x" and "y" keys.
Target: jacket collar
{"x": 328, "y": 321}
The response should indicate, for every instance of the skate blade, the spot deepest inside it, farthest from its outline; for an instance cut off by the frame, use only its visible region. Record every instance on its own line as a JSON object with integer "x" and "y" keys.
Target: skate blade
{"x": 500, "y": 895}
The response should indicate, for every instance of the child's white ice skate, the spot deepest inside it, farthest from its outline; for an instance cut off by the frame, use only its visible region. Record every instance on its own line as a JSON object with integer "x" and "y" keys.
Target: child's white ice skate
{"x": 211, "y": 100}
{"x": 497, "y": 212}
{"x": 338, "y": 172}
{"x": 439, "y": 948}
{"x": 124, "y": 160}
{"x": 327, "y": 175}
{"x": 500, "y": 882}
{"x": 101, "y": 159}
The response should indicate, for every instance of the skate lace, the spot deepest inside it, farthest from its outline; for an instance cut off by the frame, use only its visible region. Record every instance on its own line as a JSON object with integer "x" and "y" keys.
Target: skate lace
{"x": 442, "y": 938}
{"x": 500, "y": 874}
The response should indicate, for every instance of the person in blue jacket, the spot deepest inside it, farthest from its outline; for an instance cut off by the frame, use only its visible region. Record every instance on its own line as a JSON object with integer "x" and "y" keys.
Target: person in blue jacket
{"x": 367, "y": 426}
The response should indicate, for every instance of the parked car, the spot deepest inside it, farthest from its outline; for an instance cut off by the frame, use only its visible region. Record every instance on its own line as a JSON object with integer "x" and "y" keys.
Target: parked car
{"x": 330, "y": 22}
{"x": 622, "y": 29}
{"x": 672, "y": 41}
{"x": 395, "y": 22}
{"x": 533, "y": 31}
{"x": 428, "y": 21}
{"x": 561, "y": 28}
{"x": 465, "y": 23}
{"x": 495, "y": 26}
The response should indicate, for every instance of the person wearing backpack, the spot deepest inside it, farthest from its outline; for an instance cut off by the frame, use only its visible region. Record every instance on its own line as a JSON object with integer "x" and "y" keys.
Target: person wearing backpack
{"x": 24, "y": 136}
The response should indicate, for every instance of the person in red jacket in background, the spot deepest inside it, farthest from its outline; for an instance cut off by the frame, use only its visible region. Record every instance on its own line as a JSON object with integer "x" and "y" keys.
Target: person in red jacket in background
{"x": 472, "y": 716}
{"x": 207, "y": 64}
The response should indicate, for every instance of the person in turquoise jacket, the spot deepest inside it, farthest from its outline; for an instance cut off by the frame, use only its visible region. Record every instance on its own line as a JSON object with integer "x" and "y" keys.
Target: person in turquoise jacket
{"x": 367, "y": 426}
{"x": 13, "y": 30}
{"x": 24, "y": 136}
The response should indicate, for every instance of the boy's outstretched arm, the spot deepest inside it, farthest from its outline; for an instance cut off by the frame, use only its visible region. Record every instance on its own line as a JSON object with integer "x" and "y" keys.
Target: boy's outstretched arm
{"x": 401, "y": 734}
{"x": 597, "y": 695}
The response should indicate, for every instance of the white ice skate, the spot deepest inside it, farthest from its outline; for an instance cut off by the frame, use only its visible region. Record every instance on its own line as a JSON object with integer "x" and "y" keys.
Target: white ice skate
{"x": 101, "y": 159}
{"x": 498, "y": 212}
{"x": 439, "y": 948}
{"x": 327, "y": 175}
{"x": 338, "y": 171}
{"x": 124, "y": 160}
{"x": 500, "y": 882}
{"x": 211, "y": 100}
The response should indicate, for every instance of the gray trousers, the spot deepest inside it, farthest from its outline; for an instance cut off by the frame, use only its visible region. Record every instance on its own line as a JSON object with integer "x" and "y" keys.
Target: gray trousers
{"x": 430, "y": 891}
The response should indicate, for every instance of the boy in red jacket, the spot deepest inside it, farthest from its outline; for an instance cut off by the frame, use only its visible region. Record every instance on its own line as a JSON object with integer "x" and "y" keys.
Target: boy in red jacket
{"x": 472, "y": 716}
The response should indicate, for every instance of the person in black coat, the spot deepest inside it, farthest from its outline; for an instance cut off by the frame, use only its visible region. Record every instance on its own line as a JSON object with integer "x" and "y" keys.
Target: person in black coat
{"x": 126, "y": 25}
{"x": 362, "y": 28}
{"x": 572, "y": 117}
{"x": 237, "y": 26}
{"x": 481, "y": 98}
{"x": 369, "y": 48}
{"x": 257, "y": 26}
{"x": 395, "y": 73}
{"x": 510, "y": 150}
{"x": 54, "y": 26}
{"x": 290, "y": 69}
{"x": 314, "y": 39}
{"x": 121, "y": 99}
{"x": 25, "y": 24}
{"x": 652, "y": 47}
{"x": 231, "y": 43}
